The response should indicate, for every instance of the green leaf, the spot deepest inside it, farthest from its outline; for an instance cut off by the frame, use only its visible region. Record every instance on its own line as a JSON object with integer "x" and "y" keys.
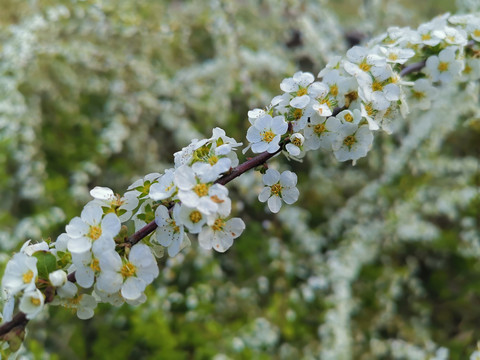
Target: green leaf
{"x": 46, "y": 263}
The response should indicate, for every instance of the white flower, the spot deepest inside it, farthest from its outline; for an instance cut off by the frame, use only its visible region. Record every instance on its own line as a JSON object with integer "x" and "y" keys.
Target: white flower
{"x": 338, "y": 85}
{"x": 57, "y": 278}
{"x": 192, "y": 219}
{"x": 170, "y": 232}
{"x": 319, "y": 134}
{"x": 265, "y": 134}
{"x": 129, "y": 276}
{"x": 347, "y": 116}
{"x": 473, "y": 29}
{"x": 122, "y": 206}
{"x": 295, "y": 144}
{"x": 279, "y": 187}
{"x": 353, "y": 142}
{"x": 428, "y": 34}
{"x": 83, "y": 304}
{"x": 32, "y": 303}
{"x": 87, "y": 266}
{"x": 141, "y": 187}
{"x": 297, "y": 87}
{"x": 20, "y": 274}
{"x": 455, "y": 36}
{"x": 165, "y": 186}
{"x": 31, "y": 249}
{"x": 471, "y": 70}
{"x": 397, "y": 55}
{"x": 361, "y": 61}
{"x": 444, "y": 67}
{"x": 378, "y": 89}
{"x": 196, "y": 193}
{"x": 219, "y": 234}
{"x": 90, "y": 229}
{"x": 297, "y": 117}
{"x": 423, "y": 92}
{"x": 324, "y": 102}
{"x": 254, "y": 114}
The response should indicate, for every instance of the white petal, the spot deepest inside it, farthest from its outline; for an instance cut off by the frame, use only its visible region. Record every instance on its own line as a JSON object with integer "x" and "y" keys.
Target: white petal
{"x": 264, "y": 194}
{"x": 274, "y": 204}
{"x": 79, "y": 245}
{"x": 102, "y": 193}
{"x": 76, "y": 228}
{"x": 271, "y": 177}
{"x": 92, "y": 215}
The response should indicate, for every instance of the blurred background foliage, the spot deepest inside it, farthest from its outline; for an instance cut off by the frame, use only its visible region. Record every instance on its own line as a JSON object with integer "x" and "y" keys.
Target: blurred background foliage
{"x": 379, "y": 260}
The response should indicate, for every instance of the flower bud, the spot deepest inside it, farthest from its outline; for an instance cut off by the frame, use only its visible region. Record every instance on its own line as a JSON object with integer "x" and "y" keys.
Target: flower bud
{"x": 58, "y": 278}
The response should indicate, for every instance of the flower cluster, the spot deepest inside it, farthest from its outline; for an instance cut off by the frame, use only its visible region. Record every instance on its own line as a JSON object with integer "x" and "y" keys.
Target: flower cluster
{"x": 362, "y": 92}
{"x": 96, "y": 261}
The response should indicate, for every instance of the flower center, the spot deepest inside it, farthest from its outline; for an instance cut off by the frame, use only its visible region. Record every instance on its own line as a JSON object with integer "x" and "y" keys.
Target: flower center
{"x": 442, "y": 66}
{"x": 468, "y": 69}
{"x": 297, "y": 113}
{"x": 128, "y": 270}
{"x": 176, "y": 228}
{"x": 95, "y": 232}
{"x": 218, "y": 224}
{"x": 369, "y": 109}
{"x": 212, "y": 160}
{"x": 35, "y": 301}
{"x": 95, "y": 265}
{"x": 268, "y": 136}
{"x": 302, "y": 91}
{"x": 334, "y": 90}
{"x": 393, "y": 56}
{"x": 276, "y": 189}
{"x": 319, "y": 129}
{"x": 349, "y": 140}
{"x": 348, "y": 117}
{"x": 377, "y": 86}
{"x": 426, "y": 37}
{"x": 418, "y": 94}
{"x": 476, "y": 32}
{"x": 297, "y": 142}
{"x": 200, "y": 189}
{"x": 364, "y": 66}
{"x": 195, "y": 216}
{"x": 27, "y": 277}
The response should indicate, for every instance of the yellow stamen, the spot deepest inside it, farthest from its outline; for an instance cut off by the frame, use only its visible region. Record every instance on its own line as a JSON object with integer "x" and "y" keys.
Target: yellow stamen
{"x": 95, "y": 265}
{"x": 348, "y": 117}
{"x": 218, "y": 225}
{"x": 334, "y": 90}
{"x": 200, "y": 189}
{"x": 364, "y": 66}
{"x": 276, "y": 189}
{"x": 392, "y": 56}
{"x": 442, "y": 66}
{"x": 128, "y": 270}
{"x": 212, "y": 160}
{"x": 418, "y": 94}
{"x": 35, "y": 301}
{"x": 268, "y": 136}
{"x": 377, "y": 86}
{"x": 95, "y": 232}
{"x": 302, "y": 91}
{"x": 297, "y": 114}
{"x": 426, "y": 37}
{"x": 297, "y": 142}
{"x": 349, "y": 140}
{"x": 176, "y": 228}
{"x": 27, "y": 277}
{"x": 319, "y": 129}
{"x": 195, "y": 216}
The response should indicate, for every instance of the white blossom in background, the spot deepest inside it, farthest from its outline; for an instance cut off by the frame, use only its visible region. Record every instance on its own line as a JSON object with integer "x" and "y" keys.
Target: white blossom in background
{"x": 397, "y": 55}
{"x": 423, "y": 92}
{"x": 445, "y": 66}
{"x": 361, "y": 61}
{"x": 277, "y": 188}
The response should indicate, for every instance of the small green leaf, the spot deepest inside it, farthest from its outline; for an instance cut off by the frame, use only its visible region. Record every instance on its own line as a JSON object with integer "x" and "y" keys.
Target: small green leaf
{"x": 46, "y": 263}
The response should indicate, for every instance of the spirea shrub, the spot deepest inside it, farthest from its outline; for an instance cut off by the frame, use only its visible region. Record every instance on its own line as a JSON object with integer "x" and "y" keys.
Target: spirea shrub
{"x": 417, "y": 86}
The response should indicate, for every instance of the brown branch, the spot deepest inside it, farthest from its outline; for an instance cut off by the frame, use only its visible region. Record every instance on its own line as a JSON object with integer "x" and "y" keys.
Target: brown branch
{"x": 415, "y": 67}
